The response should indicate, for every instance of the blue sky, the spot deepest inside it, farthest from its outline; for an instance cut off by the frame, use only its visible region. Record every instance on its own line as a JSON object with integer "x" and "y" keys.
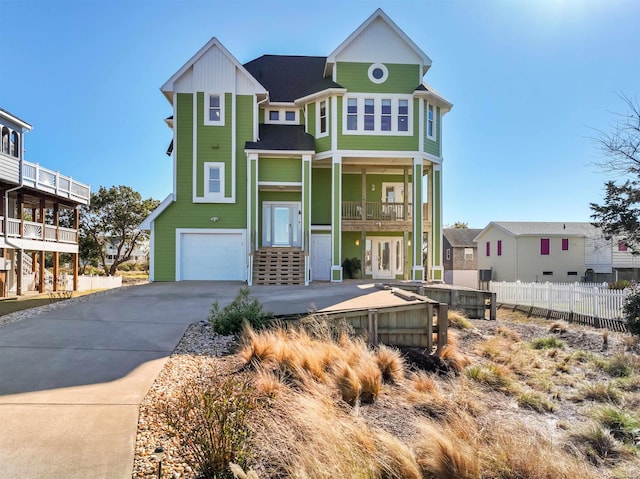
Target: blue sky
{"x": 531, "y": 82}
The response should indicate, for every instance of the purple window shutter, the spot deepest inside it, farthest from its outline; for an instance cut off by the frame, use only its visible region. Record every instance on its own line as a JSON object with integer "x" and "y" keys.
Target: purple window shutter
{"x": 488, "y": 248}
{"x": 565, "y": 244}
{"x": 499, "y": 247}
{"x": 544, "y": 246}
{"x": 622, "y": 246}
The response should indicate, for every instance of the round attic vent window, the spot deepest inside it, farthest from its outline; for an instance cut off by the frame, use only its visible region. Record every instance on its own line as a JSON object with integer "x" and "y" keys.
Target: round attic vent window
{"x": 378, "y": 73}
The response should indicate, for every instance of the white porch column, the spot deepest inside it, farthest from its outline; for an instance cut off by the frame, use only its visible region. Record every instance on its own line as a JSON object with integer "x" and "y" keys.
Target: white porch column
{"x": 336, "y": 218}
{"x": 306, "y": 215}
{"x": 252, "y": 212}
{"x": 417, "y": 269}
{"x": 437, "y": 271}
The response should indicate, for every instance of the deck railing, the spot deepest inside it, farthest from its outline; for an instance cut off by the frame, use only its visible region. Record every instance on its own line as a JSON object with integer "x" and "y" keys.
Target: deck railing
{"x": 51, "y": 181}
{"x": 376, "y": 211}
{"x": 37, "y": 231}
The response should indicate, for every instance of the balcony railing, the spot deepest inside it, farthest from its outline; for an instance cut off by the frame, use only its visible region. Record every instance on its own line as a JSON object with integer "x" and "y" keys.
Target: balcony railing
{"x": 51, "y": 181}
{"x": 37, "y": 231}
{"x": 376, "y": 211}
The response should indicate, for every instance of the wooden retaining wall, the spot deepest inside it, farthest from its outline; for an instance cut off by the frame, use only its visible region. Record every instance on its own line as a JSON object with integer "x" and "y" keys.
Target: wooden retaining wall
{"x": 407, "y": 325}
{"x": 575, "y": 318}
{"x": 473, "y": 303}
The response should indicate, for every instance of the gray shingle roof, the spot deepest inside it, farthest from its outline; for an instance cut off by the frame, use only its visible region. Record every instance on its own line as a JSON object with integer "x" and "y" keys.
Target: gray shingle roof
{"x": 282, "y": 137}
{"x": 535, "y": 228}
{"x": 288, "y": 78}
{"x": 461, "y": 237}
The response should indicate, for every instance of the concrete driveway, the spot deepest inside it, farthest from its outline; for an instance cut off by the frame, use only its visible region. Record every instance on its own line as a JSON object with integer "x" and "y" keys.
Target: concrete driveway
{"x": 71, "y": 379}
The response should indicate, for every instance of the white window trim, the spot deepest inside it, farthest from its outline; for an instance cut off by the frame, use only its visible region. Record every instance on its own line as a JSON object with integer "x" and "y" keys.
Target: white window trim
{"x": 213, "y": 196}
{"x": 206, "y": 109}
{"x": 434, "y": 134}
{"x": 377, "y": 130}
{"x": 320, "y": 134}
{"x": 385, "y": 73}
{"x": 282, "y": 114}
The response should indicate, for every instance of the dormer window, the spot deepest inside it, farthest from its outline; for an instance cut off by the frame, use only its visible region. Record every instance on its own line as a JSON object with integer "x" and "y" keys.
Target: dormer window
{"x": 214, "y": 109}
{"x": 378, "y": 73}
{"x": 282, "y": 116}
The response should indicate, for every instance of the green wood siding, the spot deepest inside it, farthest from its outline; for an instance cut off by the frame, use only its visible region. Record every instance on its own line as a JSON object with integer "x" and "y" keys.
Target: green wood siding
{"x": 379, "y": 142}
{"x": 310, "y": 120}
{"x": 437, "y": 220}
{"x": 214, "y": 144}
{"x": 320, "y": 194}
{"x": 280, "y": 169}
{"x": 430, "y": 146}
{"x": 183, "y": 213}
{"x": 402, "y": 78}
{"x": 352, "y": 186}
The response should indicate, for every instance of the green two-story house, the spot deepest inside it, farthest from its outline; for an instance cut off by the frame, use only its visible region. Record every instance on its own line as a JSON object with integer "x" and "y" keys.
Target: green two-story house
{"x": 288, "y": 165}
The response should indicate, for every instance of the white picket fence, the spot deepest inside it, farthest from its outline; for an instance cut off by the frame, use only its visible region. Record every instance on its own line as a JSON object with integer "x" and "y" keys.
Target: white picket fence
{"x": 593, "y": 300}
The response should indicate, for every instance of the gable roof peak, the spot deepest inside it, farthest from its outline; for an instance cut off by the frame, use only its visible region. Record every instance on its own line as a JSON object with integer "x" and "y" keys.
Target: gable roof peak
{"x": 379, "y": 14}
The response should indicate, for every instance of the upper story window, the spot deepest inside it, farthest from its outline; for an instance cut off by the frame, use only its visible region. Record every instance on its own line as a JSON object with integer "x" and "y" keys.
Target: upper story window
{"x": 468, "y": 254}
{"x": 487, "y": 248}
{"x": 322, "y": 129}
{"x": 282, "y": 116}
{"x": 214, "y": 109}
{"x": 565, "y": 244}
{"x": 214, "y": 180}
{"x": 5, "y": 140}
{"x": 378, "y": 73}
{"x": 13, "y": 144}
{"x": 431, "y": 131}
{"x": 376, "y": 115}
{"x": 544, "y": 246}
{"x": 499, "y": 247}
{"x": 369, "y": 114}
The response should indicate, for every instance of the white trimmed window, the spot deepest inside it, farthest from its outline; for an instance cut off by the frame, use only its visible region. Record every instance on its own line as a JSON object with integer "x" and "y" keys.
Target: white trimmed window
{"x": 376, "y": 115}
{"x": 214, "y": 109}
{"x": 214, "y": 180}
{"x": 431, "y": 124}
{"x": 282, "y": 116}
{"x": 321, "y": 118}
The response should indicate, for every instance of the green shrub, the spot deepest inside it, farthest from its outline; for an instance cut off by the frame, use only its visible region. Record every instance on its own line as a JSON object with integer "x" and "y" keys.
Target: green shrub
{"x": 351, "y": 268}
{"x": 620, "y": 284}
{"x": 209, "y": 417}
{"x": 623, "y": 426}
{"x": 228, "y": 320}
{"x": 618, "y": 366}
{"x": 549, "y": 342}
{"x": 631, "y": 312}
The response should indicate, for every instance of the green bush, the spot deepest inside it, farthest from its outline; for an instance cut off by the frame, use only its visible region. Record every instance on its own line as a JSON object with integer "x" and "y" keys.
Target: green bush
{"x": 209, "y": 417}
{"x": 228, "y": 320}
{"x": 549, "y": 342}
{"x": 620, "y": 284}
{"x": 351, "y": 268}
{"x": 631, "y": 312}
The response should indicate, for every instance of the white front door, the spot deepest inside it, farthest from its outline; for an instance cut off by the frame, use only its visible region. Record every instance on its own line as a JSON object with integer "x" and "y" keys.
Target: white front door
{"x": 281, "y": 224}
{"x": 320, "y": 257}
{"x": 384, "y": 257}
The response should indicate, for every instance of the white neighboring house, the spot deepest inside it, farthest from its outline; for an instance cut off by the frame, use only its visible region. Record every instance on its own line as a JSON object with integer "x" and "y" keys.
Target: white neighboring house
{"x": 139, "y": 255}
{"x": 553, "y": 251}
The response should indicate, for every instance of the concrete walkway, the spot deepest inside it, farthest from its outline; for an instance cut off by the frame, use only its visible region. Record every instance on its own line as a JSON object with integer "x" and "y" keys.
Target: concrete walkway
{"x": 71, "y": 379}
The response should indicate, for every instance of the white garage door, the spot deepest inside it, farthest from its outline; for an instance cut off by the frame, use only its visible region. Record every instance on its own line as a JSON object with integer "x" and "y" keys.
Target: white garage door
{"x": 212, "y": 256}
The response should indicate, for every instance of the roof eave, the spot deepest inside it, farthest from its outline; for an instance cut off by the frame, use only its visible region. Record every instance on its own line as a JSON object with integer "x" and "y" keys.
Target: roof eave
{"x": 320, "y": 94}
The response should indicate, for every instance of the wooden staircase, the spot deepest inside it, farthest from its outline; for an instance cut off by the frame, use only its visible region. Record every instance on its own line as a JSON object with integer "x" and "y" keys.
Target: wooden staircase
{"x": 278, "y": 266}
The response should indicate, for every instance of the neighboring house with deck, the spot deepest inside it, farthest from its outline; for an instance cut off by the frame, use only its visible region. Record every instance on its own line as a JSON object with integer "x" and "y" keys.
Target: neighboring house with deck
{"x": 551, "y": 251}
{"x": 285, "y": 166}
{"x": 33, "y": 199}
{"x": 460, "y": 256}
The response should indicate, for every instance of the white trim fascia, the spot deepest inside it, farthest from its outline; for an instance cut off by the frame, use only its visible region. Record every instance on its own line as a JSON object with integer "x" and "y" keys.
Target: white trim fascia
{"x": 147, "y": 223}
{"x": 334, "y": 123}
{"x": 175, "y": 148}
{"x": 213, "y": 202}
{"x": 305, "y": 109}
{"x": 194, "y": 149}
{"x": 445, "y": 106}
{"x": 379, "y": 13}
{"x": 14, "y": 119}
{"x": 181, "y": 231}
{"x": 282, "y": 104}
{"x": 279, "y": 183}
{"x": 234, "y": 141}
{"x": 320, "y": 94}
{"x": 214, "y": 42}
{"x": 321, "y": 228}
{"x": 279, "y": 153}
{"x": 421, "y": 125}
{"x": 152, "y": 255}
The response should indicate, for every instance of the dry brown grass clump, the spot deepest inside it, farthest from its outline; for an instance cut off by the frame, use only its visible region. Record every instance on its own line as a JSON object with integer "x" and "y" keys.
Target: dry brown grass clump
{"x": 391, "y": 364}
{"x": 459, "y": 320}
